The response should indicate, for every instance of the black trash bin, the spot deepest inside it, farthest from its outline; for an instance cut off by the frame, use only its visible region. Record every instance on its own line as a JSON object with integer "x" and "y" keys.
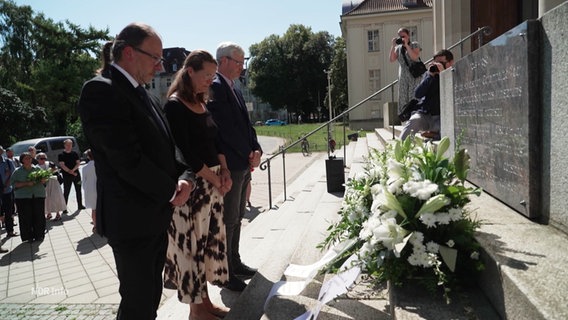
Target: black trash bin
{"x": 335, "y": 175}
{"x": 353, "y": 136}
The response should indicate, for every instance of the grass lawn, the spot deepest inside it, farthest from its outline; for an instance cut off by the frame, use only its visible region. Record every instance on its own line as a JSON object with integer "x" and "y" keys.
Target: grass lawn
{"x": 317, "y": 141}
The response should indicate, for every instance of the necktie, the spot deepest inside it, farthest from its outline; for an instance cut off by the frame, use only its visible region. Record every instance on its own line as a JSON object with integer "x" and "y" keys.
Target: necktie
{"x": 144, "y": 95}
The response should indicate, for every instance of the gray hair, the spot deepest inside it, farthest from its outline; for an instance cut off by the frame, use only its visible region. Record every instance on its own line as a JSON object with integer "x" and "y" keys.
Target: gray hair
{"x": 41, "y": 154}
{"x": 226, "y": 49}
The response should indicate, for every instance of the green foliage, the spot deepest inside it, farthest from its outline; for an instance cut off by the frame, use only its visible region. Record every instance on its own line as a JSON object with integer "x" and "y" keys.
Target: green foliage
{"x": 19, "y": 119}
{"x": 406, "y": 215}
{"x": 39, "y": 175}
{"x": 49, "y": 62}
{"x": 339, "y": 96}
{"x": 288, "y": 71}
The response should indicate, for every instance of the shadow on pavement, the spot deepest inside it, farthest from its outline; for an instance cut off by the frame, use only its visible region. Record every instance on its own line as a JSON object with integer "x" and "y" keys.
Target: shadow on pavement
{"x": 23, "y": 252}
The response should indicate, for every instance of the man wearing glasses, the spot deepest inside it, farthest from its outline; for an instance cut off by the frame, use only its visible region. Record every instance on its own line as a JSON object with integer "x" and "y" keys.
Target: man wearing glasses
{"x": 140, "y": 175}
{"x": 239, "y": 145}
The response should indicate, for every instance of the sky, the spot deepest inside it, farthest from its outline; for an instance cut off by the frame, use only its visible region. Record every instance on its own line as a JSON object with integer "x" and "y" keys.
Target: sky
{"x": 195, "y": 24}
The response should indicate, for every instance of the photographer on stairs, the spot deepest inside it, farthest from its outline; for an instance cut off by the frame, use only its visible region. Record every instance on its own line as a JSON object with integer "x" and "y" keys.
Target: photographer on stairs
{"x": 426, "y": 118}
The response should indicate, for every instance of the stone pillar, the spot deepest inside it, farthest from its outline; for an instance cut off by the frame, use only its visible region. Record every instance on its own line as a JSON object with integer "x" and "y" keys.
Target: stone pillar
{"x": 546, "y": 5}
{"x": 451, "y": 23}
{"x": 390, "y": 114}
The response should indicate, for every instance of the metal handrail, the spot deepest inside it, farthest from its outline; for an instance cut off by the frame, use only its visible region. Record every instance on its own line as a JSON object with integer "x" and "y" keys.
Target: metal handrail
{"x": 264, "y": 165}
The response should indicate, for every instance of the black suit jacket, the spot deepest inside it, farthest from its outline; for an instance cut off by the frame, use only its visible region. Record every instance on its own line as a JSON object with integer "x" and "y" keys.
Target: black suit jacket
{"x": 136, "y": 161}
{"x": 237, "y": 137}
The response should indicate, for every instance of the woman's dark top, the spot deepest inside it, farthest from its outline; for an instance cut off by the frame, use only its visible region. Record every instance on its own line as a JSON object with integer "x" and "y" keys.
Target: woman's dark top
{"x": 194, "y": 133}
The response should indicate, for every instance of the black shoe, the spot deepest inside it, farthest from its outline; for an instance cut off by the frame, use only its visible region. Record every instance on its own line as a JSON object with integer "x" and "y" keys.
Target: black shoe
{"x": 244, "y": 271}
{"x": 65, "y": 211}
{"x": 235, "y": 284}
{"x": 2, "y": 250}
{"x": 82, "y": 207}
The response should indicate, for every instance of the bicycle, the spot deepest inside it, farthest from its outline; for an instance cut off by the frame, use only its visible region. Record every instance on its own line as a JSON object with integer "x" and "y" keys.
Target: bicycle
{"x": 305, "y": 147}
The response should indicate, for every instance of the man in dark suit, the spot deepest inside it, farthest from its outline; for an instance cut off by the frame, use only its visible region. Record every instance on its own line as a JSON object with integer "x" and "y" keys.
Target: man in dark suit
{"x": 240, "y": 147}
{"x": 139, "y": 173}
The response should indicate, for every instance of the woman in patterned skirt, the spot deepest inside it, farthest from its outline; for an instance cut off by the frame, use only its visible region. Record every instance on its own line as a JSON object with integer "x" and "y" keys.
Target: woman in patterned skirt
{"x": 405, "y": 52}
{"x": 197, "y": 238}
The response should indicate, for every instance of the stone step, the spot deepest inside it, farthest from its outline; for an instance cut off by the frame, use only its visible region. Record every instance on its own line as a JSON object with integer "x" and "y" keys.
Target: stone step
{"x": 350, "y": 150}
{"x": 360, "y": 153}
{"x": 275, "y": 236}
{"x": 363, "y": 301}
{"x": 385, "y": 134}
{"x": 526, "y": 275}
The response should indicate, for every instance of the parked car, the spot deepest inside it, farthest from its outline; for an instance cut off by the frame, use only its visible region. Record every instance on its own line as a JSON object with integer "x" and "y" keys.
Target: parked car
{"x": 259, "y": 123}
{"x": 52, "y": 146}
{"x": 274, "y": 122}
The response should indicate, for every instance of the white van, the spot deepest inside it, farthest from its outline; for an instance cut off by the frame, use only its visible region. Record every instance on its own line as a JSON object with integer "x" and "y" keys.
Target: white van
{"x": 52, "y": 146}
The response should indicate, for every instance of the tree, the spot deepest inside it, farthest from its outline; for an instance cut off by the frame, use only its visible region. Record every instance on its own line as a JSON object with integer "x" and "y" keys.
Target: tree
{"x": 339, "y": 96}
{"x": 288, "y": 71}
{"x": 19, "y": 120}
{"x": 48, "y": 61}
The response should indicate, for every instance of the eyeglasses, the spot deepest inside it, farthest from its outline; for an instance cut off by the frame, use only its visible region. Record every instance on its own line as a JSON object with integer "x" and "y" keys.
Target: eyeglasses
{"x": 157, "y": 60}
{"x": 42, "y": 158}
{"x": 240, "y": 63}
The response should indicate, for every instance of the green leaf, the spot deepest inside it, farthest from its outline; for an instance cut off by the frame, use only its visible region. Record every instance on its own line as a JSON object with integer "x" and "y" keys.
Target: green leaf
{"x": 393, "y": 204}
{"x": 434, "y": 204}
{"x": 461, "y": 164}
{"x": 442, "y": 148}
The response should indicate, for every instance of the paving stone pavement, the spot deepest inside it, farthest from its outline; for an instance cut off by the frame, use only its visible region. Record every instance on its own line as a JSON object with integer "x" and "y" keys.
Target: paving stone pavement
{"x": 72, "y": 274}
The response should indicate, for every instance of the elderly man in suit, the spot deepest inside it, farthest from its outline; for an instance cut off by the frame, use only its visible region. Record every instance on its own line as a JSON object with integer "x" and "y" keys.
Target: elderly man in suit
{"x": 140, "y": 174}
{"x": 239, "y": 145}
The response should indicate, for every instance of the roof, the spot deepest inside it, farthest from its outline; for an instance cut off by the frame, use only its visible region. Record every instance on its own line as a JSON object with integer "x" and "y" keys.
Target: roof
{"x": 382, "y": 6}
{"x": 174, "y": 58}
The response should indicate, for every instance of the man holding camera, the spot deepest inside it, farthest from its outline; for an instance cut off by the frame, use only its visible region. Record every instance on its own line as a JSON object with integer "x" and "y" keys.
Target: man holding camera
{"x": 427, "y": 116}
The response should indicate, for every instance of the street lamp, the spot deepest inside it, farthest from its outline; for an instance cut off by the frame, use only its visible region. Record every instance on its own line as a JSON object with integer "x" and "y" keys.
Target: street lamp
{"x": 328, "y": 72}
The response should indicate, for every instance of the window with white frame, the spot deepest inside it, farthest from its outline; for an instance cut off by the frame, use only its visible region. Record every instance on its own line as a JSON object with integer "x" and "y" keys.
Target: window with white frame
{"x": 374, "y": 82}
{"x": 373, "y": 40}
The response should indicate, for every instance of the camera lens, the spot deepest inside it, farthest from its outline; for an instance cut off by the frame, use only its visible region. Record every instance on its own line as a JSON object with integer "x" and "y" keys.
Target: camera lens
{"x": 398, "y": 41}
{"x": 433, "y": 68}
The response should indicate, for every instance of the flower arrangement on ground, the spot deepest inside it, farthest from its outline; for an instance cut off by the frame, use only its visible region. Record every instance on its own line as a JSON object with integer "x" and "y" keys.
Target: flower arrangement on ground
{"x": 406, "y": 219}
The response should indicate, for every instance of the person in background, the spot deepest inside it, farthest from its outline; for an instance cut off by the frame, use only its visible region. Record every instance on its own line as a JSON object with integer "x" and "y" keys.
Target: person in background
{"x": 106, "y": 60}
{"x": 140, "y": 174}
{"x": 10, "y": 156}
{"x": 30, "y": 199}
{"x": 239, "y": 145}
{"x": 54, "y": 201}
{"x": 404, "y": 51}
{"x": 33, "y": 151}
{"x": 7, "y": 168}
{"x": 201, "y": 257}
{"x": 69, "y": 162}
{"x": 427, "y": 117}
{"x": 89, "y": 185}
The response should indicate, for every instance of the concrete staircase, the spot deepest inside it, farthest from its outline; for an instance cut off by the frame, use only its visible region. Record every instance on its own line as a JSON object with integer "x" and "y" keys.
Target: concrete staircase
{"x": 526, "y": 277}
